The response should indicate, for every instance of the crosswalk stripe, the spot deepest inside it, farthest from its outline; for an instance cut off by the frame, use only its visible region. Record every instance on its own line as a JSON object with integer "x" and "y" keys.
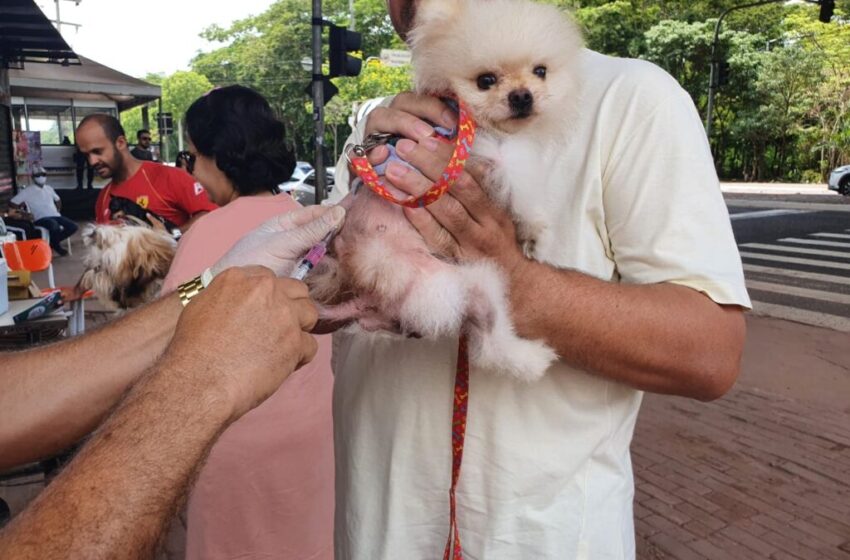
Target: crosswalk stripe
{"x": 802, "y": 316}
{"x": 795, "y": 260}
{"x": 799, "y": 274}
{"x": 764, "y": 214}
{"x": 798, "y": 292}
{"x": 801, "y": 250}
{"x": 818, "y": 242}
{"x": 832, "y": 235}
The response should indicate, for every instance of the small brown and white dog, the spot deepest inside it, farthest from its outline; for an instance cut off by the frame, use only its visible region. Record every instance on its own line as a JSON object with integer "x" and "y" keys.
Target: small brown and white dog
{"x": 512, "y": 63}
{"x": 126, "y": 264}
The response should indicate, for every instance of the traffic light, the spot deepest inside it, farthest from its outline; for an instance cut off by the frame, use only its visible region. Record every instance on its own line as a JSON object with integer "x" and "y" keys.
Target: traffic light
{"x": 827, "y": 7}
{"x": 342, "y": 42}
{"x": 165, "y": 123}
{"x": 722, "y": 73}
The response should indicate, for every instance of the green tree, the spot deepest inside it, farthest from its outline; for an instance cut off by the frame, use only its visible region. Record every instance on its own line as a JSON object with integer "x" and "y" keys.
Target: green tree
{"x": 179, "y": 90}
{"x": 264, "y": 52}
{"x": 616, "y": 28}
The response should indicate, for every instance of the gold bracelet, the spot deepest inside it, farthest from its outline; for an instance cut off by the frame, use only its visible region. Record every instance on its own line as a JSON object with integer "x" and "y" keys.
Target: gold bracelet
{"x": 189, "y": 289}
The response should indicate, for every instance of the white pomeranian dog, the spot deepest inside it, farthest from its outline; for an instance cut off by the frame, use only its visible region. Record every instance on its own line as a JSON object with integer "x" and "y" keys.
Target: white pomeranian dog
{"x": 512, "y": 63}
{"x": 126, "y": 264}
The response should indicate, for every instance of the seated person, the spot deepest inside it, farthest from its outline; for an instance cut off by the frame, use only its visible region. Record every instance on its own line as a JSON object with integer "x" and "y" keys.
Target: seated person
{"x": 44, "y": 204}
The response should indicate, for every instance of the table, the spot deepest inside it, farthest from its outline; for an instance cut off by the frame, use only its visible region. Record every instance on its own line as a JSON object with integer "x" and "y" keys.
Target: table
{"x": 44, "y": 329}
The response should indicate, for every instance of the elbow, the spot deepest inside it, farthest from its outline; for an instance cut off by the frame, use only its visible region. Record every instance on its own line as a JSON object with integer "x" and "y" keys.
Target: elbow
{"x": 716, "y": 384}
{"x": 721, "y": 362}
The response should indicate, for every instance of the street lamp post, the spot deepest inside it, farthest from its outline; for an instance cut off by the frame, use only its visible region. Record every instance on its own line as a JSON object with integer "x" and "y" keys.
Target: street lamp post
{"x": 713, "y": 77}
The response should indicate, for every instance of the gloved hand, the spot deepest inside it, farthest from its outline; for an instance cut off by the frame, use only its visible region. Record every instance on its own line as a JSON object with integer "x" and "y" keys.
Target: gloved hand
{"x": 282, "y": 241}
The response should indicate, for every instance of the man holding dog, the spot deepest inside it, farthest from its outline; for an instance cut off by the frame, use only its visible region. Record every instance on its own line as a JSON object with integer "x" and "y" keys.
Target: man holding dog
{"x": 163, "y": 190}
{"x": 643, "y": 292}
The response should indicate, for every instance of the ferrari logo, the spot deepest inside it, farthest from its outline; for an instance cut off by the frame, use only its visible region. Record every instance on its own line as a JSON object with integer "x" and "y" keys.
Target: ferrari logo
{"x": 142, "y": 201}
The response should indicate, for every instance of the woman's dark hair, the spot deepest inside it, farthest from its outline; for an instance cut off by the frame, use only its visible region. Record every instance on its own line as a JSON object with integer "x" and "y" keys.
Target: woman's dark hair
{"x": 236, "y": 126}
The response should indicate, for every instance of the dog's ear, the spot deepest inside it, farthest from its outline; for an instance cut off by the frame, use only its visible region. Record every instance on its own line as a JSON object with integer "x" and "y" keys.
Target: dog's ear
{"x": 89, "y": 235}
{"x": 436, "y": 12}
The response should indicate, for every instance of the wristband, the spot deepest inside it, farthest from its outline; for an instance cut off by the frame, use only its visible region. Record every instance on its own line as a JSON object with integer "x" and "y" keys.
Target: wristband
{"x": 207, "y": 277}
{"x": 189, "y": 289}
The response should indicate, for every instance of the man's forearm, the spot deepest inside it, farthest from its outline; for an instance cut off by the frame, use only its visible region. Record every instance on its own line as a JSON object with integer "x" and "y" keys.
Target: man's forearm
{"x": 52, "y": 396}
{"x": 661, "y": 338}
{"x": 130, "y": 478}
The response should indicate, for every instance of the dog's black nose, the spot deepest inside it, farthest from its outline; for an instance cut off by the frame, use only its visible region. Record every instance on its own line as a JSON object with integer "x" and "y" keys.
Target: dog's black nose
{"x": 521, "y": 102}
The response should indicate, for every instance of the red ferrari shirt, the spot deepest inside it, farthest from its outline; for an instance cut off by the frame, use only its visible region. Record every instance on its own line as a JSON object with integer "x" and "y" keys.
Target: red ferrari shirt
{"x": 166, "y": 191}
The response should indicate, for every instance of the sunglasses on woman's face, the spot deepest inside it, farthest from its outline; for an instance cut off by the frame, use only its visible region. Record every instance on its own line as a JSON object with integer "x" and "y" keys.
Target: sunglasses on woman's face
{"x": 189, "y": 160}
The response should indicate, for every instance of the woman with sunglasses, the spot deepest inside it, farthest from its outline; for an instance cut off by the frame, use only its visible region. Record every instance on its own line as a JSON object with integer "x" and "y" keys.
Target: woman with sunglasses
{"x": 267, "y": 489}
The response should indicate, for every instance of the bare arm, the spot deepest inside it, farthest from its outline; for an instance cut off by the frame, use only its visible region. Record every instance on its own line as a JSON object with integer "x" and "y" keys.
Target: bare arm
{"x": 116, "y": 496}
{"x": 96, "y": 505}
{"x": 53, "y": 396}
{"x": 662, "y": 338}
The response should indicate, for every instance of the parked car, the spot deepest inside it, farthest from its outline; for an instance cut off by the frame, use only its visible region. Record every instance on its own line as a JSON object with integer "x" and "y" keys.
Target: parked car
{"x": 303, "y": 188}
{"x": 839, "y": 180}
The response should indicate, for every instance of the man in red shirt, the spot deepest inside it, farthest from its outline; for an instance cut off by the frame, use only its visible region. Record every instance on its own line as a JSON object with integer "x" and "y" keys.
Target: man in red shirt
{"x": 165, "y": 191}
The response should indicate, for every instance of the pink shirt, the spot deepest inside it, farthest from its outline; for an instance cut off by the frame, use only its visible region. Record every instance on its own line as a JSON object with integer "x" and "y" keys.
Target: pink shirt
{"x": 267, "y": 489}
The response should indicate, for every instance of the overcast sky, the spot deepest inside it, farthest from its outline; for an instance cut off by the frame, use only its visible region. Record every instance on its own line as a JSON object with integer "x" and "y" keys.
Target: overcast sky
{"x": 145, "y": 36}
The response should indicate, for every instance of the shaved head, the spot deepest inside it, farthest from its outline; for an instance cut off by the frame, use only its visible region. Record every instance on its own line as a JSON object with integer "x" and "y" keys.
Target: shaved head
{"x": 107, "y": 123}
{"x": 102, "y": 139}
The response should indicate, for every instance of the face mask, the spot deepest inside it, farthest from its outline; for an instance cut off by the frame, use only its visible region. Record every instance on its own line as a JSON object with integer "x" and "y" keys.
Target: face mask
{"x": 40, "y": 181}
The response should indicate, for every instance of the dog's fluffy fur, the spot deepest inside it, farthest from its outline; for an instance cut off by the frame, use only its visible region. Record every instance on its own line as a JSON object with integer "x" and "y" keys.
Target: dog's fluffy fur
{"x": 126, "y": 264}
{"x": 383, "y": 271}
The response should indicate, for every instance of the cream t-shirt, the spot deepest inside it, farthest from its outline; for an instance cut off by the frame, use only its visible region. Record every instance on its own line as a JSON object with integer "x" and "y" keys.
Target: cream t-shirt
{"x": 546, "y": 468}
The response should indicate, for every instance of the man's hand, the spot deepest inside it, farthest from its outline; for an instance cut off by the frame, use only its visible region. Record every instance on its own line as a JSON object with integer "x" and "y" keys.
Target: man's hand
{"x": 244, "y": 335}
{"x": 280, "y": 242}
{"x": 463, "y": 223}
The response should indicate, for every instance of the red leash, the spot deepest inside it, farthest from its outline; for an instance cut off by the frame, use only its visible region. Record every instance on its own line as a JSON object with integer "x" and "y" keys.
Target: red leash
{"x": 461, "y": 402}
{"x": 360, "y": 163}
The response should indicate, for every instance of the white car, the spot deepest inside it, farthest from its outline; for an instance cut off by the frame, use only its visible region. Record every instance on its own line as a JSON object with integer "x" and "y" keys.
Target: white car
{"x": 839, "y": 180}
{"x": 302, "y": 185}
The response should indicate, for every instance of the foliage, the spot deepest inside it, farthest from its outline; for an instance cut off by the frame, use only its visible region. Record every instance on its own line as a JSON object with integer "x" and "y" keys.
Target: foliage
{"x": 785, "y": 113}
{"x": 179, "y": 90}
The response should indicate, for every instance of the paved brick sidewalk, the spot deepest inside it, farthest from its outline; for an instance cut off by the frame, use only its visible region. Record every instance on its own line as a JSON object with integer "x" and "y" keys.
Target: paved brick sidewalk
{"x": 752, "y": 475}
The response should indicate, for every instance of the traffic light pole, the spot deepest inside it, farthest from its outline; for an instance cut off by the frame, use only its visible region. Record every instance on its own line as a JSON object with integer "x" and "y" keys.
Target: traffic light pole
{"x": 318, "y": 105}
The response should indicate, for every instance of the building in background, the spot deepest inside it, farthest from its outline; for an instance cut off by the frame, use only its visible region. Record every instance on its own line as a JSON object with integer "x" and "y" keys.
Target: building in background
{"x": 52, "y": 99}
{"x": 45, "y": 90}
{"x": 26, "y": 36}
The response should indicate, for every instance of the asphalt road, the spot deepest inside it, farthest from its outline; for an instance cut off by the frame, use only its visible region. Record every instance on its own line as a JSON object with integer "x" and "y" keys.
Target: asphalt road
{"x": 796, "y": 255}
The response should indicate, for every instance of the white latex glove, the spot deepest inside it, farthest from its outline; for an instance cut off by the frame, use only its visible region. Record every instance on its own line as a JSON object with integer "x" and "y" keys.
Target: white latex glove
{"x": 282, "y": 241}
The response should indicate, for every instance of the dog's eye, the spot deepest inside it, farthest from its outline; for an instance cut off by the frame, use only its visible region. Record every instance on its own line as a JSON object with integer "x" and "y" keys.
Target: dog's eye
{"x": 540, "y": 72}
{"x": 486, "y": 81}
